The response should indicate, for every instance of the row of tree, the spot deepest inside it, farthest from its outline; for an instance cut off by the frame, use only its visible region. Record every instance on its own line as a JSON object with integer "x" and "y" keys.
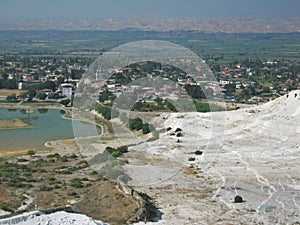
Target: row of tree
{"x": 106, "y": 111}
{"x": 5, "y": 82}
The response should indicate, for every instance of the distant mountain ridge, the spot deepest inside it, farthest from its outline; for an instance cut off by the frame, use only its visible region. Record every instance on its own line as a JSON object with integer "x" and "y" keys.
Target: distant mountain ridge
{"x": 276, "y": 25}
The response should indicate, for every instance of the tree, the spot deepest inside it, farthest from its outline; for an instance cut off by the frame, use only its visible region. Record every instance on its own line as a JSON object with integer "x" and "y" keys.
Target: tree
{"x": 60, "y": 80}
{"x": 158, "y": 100}
{"x": 135, "y": 124}
{"x": 105, "y": 96}
{"x": 170, "y": 106}
{"x": 137, "y": 106}
{"x": 36, "y": 76}
{"x": 42, "y": 96}
{"x": 106, "y": 112}
{"x": 76, "y": 74}
{"x": 3, "y": 74}
{"x": 24, "y": 95}
{"x": 194, "y": 91}
{"x": 9, "y": 83}
{"x": 230, "y": 88}
{"x": 146, "y": 128}
{"x": 65, "y": 102}
{"x": 48, "y": 85}
{"x": 31, "y": 93}
{"x": 11, "y": 97}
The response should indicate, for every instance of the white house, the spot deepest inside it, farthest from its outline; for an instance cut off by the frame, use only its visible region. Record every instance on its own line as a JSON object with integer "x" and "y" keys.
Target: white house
{"x": 67, "y": 89}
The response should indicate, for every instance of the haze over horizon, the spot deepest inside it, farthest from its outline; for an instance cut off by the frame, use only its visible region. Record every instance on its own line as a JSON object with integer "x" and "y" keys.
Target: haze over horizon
{"x": 34, "y": 10}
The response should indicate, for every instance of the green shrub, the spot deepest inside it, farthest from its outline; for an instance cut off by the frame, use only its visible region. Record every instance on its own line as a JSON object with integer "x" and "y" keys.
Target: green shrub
{"x": 145, "y": 197}
{"x": 94, "y": 172}
{"x": 179, "y": 134}
{"x": 81, "y": 162}
{"x": 169, "y": 128}
{"x": 76, "y": 182}
{"x": 73, "y": 193}
{"x": 109, "y": 149}
{"x": 123, "y": 149}
{"x": 42, "y": 171}
{"x": 122, "y": 221}
{"x": 124, "y": 203}
{"x": 45, "y": 188}
{"x": 6, "y": 208}
{"x": 51, "y": 180}
{"x": 135, "y": 124}
{"x": 207, "y": 107}
{"x": 31, "y": 153}
{"x": 32, "y": 180}
{"x": 56, "y": 186}
{"x": 56, "y": 155}
{"x": 198, "y": 152}
{"x": 73, "y": 156}
{"x": 146, "y": 128}
{"x": 238, "y": 199}
{"x": 115, "y": 154}
{"x": 178, "y": 130}
{"x": 22, "y": 160}
{"x": 27, "y": 174}
{"x": 11, "y": 98}
{"x": 38, "y": 164}
{"x": 64, "y": 159}
{"x": 192, "y": 159}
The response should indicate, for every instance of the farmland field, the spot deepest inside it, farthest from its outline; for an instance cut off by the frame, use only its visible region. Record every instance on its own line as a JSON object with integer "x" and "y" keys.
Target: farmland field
{"x": 221, "y": 46}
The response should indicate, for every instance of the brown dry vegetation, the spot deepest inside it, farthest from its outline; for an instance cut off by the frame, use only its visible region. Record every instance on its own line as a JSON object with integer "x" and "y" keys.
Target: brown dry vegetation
{"x": 104, "y": 204}
{"x": 6, "y": 92}
{"x": 55, "y": 179}
{"x": 14, "y": 124}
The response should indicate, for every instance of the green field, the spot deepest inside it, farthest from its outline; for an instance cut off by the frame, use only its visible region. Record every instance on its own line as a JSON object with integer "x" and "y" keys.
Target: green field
{"x": 219, "y": 46}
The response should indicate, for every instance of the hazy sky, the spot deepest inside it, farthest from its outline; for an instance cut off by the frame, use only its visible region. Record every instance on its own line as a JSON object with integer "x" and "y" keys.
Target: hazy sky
{"x": 22, "y": 10}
